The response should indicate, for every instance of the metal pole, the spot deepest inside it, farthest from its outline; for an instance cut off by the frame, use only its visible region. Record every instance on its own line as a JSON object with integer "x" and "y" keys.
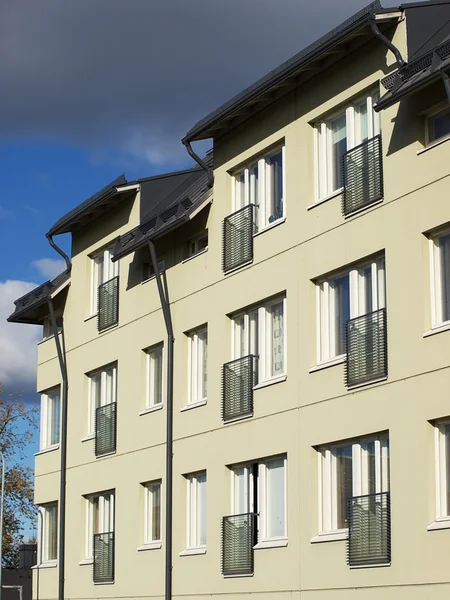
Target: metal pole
{"x": 1, "y": 519}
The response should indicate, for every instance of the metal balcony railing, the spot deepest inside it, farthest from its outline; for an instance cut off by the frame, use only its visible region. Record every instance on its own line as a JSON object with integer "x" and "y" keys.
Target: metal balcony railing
{"x": 108, "y": 304}
{"x": 238, "y": 380}
{"x": 105, "y": 429}
{"x": 369, "y": 530}
{"x": 363, "y": 175}
{"x": 104, "y": 551}
{"x": 238, "y": 230}
{"x": 366, "y": 345}
{"x": 238, "y": 539}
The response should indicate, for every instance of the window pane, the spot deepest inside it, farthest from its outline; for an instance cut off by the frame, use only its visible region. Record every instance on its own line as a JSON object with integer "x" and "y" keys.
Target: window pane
{"x": 275, "y": 499}
{"x": 52, "y": 533}
{"x": 155, "y": 376}
{"x": 363, "y": 122}
{"x": 344, "y": 483}
{"x": 240, "y": 506}
{"x": 440, "y": 125}
{"x": 109, "y": 390}
{"x": 53, "y": 413}
{"x": 371, "y": 469}
{"x": 155, "y": 492}
{"x": 275, "y": 199}
{"x": 240, "y": 190}
{"x": 338, "y": 148}
{"x": 367, "y": 282}
{"x": 239, "y": 337}
{"x": 341, "y": 290}
{"x": 203, "y": 360}
{"x": 444, "y": 248}
{"x": 277, "y": 341}
{"x": 201, "y": 509}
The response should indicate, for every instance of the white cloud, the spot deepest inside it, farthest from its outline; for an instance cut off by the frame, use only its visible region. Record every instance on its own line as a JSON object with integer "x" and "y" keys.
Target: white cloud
{"x": 18, "y": 349}
{"x": 49, "y": 267}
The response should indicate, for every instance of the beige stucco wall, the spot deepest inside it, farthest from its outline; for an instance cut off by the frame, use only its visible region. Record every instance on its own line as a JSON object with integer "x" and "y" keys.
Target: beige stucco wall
{"x": 292, "y": 417}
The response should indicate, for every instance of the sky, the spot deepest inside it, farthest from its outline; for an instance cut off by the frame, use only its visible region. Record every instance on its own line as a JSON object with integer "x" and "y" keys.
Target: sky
{"x": 95, "y": 88}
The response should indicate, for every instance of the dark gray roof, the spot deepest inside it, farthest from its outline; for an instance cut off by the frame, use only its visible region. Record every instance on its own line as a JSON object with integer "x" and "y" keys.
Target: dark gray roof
{"x": 415, "y": 75}
{"x": 84, "y": 211}
{"x": 169, "y": 213}
{"x": 289, "y": 69}
{"x": 25, "y": 307}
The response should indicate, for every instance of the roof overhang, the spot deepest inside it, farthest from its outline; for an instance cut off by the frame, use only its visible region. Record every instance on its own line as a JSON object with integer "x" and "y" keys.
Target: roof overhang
{"x": 95, "y": 206}
{"x": 416, "y": 76}
{"x": 349, "y": 36}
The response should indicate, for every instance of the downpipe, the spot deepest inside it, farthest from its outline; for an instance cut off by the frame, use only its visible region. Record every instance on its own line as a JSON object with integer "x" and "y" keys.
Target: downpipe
{"x": 61, "y": 351}
{"x": 165, "y": 306}
{"x": 200, "y": 162}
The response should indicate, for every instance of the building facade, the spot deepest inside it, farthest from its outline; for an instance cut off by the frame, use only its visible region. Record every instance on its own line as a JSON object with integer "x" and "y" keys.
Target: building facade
{"x": 308, "y": 291}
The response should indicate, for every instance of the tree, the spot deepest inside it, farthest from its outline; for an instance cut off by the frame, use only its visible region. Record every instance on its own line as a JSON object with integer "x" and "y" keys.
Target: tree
{"x": 18, "y": 422}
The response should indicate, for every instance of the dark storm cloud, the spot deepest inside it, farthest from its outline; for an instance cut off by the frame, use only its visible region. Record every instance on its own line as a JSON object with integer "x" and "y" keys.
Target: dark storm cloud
{"x": 132, "y": 76}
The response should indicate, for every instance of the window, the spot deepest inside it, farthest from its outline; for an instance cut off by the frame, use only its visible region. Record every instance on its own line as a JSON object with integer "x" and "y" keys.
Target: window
{"x": 337, "y": 134}
{"x": 438, "y": 125}
{"x": 48, "y": 327}
{"x": 196, "y": 510}
{"x": 442, "y": 437}
{"x": 148, "y": 271}
{"x": 358, "y": 291}
{"x": 50, "y": 418}
{"x": 102, "y": 391}
{"x": 196, "y": 245}
{"x": 349, "y": 469}
{"x": 440, "y": 278}
{"x": 261, "y": 331}
{"x": 260, "y": 488}
{"x": 152, "y": 519}
{"x": 103, "y": 270}
{"x": 262, "y": 183}
{"x": 154, "y": 375}
{"x": 99, "y": 518}
{"x": 198, "y": 359}
{"x": 49, "y": 532}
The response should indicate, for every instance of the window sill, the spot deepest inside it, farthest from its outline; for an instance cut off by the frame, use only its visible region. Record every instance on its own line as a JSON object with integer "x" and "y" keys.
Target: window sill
{"x": 88, "y": 438}
{"x": 358, "y": 211}
{"x": 50, "y": 564}
{"x": 106, "y": 455}
{"x": 151, "y": 409}
{"x": 48, "y": 449}
{"x": 193, "y": 551}
{"x": 281, "y": 543}
{"x": 91, "y": 317}
{"x": 338, "y": 360}
{"x": 433, "y": 144}
{"x": 438, "y": 329}
{"x": 193, "y": 405}
{"x": 86, "y": 561}
{"x": 334, "y": 536}
{"x": 365, "y": 384}
{"x": 104, "y": 583}
{"x": 46, "y": 339}
{"x": 374, "y": 566}
{"x": 270, "y": 226}
{"x": 194, "y": 255}
{"x": 443, "y": 524}
{"x": 238, "y": 576}
{"x": 150, "y": 546}
{"x": 338, "y": 192}
{"x": 272, "y": 381}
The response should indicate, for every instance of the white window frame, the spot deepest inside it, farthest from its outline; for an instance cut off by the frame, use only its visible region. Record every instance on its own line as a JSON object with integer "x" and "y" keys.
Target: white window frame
{"x": 436, "y": 267}
{"x": 43, "y": 533}
{"x": 325, "y": 302}
{"x": 110, "y": 270}
{"x": 47, "y": 415}
{"x": 192, "y": 500}
{"x": 104, "y": 399}
{"x": 327, "y": 476}
{"x": 148, "y": 512}
{"x": 262, "y": 499}
{"x": 323, "y": 140}
{"x": 264, "y": 183}
{"x": 151, "y": 363}
{"x": 430, "y": 116}
{"x": 264, "y": 350}
{"x": 106, "y": 508}
{"x": 196, "y": 375}
{"x": 47, "y": 329}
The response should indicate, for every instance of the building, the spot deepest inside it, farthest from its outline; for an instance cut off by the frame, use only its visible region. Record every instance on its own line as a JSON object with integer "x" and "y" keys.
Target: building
{"x": 302, "y": 305}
